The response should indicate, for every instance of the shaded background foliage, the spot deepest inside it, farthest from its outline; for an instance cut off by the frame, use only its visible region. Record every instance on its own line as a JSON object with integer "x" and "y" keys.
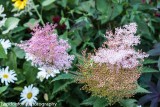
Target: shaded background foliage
{"x": 83, "y": 23}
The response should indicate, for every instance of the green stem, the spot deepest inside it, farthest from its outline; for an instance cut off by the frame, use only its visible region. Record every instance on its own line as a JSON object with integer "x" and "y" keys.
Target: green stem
{"x": 9, "y": 37}
{"x": 74, "y": 73}
{"x": 40, "y": 17}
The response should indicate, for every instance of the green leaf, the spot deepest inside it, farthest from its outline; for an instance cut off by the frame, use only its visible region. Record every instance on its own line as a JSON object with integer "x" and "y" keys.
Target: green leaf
{"x": 141, "y": 90}
{"x": 10, "y": 24}
{"x": 18, "y": 29}
{"x": 77, "y": 40}
{"x": 60, "y": 86}
{"x": 148, "y": 70}
{"x": 117, "y": 9}
{"x": 19, "y": 52}
{"x": 108, "y": 10}
{"x": 149, "y": 61}
{"x": 89, "y": 101}
{"x": 154, "y": 52}
{"x": 2, "y": 89}
{"x": 18, "y": 88}
{"x": 100, "y": 102}
{"x": 11, "y": 61}
{"x": 159, "y": 63}
{"x": 143, "y": 27}
{"x": 2, "y": 52}
{"x": 95, "y": 101}
{"x": 47, "y": 2}
{"x": 87, "y": 6}
{"x": 72, "y": 100}
{"x": 128, "y": 103}
{"x": 102, "y": 5}
{"x": 63, "y": 2}
{"x": 32, "y": 22}
{"x": 30, "y": 72}
{"x": 63, "y": 76}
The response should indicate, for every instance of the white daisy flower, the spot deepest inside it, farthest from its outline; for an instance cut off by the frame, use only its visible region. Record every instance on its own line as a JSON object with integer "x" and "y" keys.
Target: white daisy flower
{"x": 41, "y": 75}
{"x": 29, "y": 95}
{"x": 48, "y": 71}
{"x": 2, "y": 22}
{"x": 6, "y": 44}
{"x": 7, "y": 76}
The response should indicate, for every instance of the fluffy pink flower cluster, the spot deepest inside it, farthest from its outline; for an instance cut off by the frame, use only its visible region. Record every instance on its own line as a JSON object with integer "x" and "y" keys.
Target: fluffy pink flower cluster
{"x": 120, "y": 51}
{"x": 44, "y": 49}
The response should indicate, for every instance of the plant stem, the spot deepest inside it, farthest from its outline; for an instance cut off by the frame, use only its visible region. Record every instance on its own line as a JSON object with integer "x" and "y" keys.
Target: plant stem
{"x": 9, "y": 37}
{"x": 40, "y": 17}
{"x": 74, "y": 73}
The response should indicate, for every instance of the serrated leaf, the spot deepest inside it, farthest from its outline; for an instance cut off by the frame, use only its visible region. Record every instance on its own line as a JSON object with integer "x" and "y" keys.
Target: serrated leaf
{"x": 148, "y": 70}
{"x": 141, "y": 90}
{"x": 149, "y": 61}
{"x": 58, "y": 87}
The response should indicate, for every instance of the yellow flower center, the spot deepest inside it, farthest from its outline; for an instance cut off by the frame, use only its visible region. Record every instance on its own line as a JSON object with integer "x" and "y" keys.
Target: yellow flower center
{"x": 29, "y": 95}
{"x": 5, "y": 76}
{"x": 49, "y": 71}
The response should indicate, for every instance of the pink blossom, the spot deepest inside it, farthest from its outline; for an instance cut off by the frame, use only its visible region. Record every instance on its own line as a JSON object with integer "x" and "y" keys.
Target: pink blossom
{"x": 120, "y": 49}
{"x": 46, "y": 49}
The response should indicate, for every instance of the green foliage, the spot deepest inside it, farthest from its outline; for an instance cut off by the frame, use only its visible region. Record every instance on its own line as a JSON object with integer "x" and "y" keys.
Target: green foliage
{"x": 58, "y": 86}
{"x": 141, "y": 90}
{"x": 85, "y": 24}
{"x": 29, "y": 72}
{"x": 129, "y": 103}
{"x": 2, "y": 89}
{"x": 95, "y": 101}
{"x": 149, "y": 70}
{"x": 10, "y": 24}
{"x": 47, "y": 2}
{"x": 63, "y": 76}
{"x": 2, "y": 52}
